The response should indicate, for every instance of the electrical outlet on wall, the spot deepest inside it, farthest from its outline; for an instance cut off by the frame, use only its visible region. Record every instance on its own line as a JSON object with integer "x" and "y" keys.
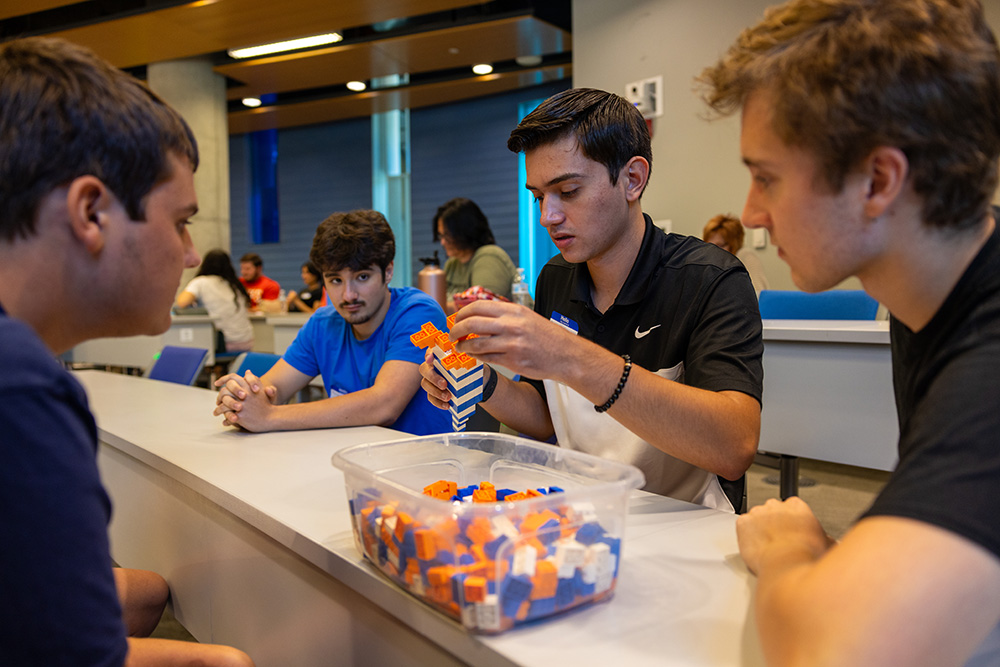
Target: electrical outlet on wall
{"x": 646, "y": 95}
{"x": 758, "y": 238}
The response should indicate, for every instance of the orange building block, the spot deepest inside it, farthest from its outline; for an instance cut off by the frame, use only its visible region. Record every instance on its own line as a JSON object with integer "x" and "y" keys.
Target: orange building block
{"x": 480, "y": 530}
{"x": 426, "y": 541}
{"x": 475, "y": 589}
{"x": 484, "y": 496}
{"x": 545, "y": 580}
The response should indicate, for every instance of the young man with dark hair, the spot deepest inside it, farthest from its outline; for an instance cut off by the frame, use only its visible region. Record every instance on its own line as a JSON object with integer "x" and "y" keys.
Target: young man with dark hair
{"x": 872, "y": 132}
{"x": 644, "y": 347}
{"x": 96, "y": 192}
{"x": 360, "y": 345}
{"x": 264, "y": 292}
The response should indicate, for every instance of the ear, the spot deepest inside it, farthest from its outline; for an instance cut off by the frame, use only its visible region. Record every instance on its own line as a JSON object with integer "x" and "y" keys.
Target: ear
{"x": 88, "y": 202}
{"x": 887, "y": 170}
{"x": 388, "y": 273}
{"x": 635, "y": 173}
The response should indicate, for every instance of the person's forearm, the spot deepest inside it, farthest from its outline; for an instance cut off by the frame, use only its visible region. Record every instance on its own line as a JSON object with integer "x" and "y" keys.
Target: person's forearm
{"x": 360, "y": 408}
{"x": 519, "y": 406}
{"x": 715, "y": 431}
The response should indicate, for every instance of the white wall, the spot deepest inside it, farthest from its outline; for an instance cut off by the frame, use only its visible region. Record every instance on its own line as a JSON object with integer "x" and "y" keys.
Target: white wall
{"x": 697, "y": 171}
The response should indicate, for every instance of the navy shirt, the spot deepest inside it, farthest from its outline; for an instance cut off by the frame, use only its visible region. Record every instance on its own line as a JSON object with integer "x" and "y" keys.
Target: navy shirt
{"x": 58, "y": 603}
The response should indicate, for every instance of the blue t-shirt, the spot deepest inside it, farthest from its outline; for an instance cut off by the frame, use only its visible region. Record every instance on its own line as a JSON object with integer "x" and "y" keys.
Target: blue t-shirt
{"x": 58, "y": 603}
{"x": 326, "y": 346}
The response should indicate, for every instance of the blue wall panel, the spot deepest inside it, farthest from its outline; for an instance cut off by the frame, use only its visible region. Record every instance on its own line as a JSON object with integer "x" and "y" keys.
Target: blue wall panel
{"x": 321, "y": 169}
{"x": 460, "y": 150}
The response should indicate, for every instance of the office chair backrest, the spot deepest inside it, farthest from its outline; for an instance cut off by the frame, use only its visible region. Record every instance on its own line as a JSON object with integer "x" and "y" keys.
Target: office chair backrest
{"x": 257, "y": 363}
{"x": 178, "y": 364}
{"x": 829, "y": 305}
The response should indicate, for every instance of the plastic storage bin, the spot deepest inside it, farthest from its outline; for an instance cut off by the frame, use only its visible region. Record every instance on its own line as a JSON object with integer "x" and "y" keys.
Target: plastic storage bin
{"x": 491, "y": 565}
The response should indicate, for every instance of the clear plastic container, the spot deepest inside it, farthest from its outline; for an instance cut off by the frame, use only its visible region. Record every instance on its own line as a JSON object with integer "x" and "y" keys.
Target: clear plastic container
{"x": 490, "y": 565}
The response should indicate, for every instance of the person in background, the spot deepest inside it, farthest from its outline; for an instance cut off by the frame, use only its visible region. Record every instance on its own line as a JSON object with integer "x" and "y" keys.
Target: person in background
{"x": 312, "y": 295}
{"x": 473, "y": 256}
{"x": 726, "y": 231}
{"x": 643, "y": 347}
{"x": 265, "y": 294}
{"x": 360, "y": 346}
{"x": 97, "y": 171}
{"x": 221, "y": 293}
{"x": 871, "y": 131}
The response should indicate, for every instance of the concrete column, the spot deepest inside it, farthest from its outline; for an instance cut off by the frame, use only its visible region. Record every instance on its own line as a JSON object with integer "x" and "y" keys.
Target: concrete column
{"x": 199, "y": 95}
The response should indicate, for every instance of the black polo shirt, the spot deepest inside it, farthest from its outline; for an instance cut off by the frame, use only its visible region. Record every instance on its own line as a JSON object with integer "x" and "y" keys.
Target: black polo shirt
{"x": 687, "y": 311}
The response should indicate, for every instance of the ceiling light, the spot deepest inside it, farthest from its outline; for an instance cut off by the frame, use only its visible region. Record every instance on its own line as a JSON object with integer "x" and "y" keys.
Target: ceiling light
{"x": 251, "y": 102}
{"x": 289, "y": 45}
{"x": 482, "y": 68}
{"x": 528, "y": 61}
{"x": 356, "y": 86}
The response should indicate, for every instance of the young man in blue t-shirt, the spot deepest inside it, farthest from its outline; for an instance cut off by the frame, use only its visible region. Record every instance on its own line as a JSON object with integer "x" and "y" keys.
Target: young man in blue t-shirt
{"x": 360, "y": 345}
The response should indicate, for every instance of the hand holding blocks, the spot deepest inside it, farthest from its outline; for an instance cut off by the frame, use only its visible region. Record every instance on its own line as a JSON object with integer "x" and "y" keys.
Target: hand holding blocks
{"x": 463, "y": 373}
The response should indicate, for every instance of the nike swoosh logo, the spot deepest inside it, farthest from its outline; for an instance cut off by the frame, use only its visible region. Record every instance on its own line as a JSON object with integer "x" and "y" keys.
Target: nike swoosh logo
{"x": 643, "y": 334}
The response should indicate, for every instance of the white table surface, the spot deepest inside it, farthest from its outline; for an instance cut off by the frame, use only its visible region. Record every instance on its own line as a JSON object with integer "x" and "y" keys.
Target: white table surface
{"x": 683, "y": 594}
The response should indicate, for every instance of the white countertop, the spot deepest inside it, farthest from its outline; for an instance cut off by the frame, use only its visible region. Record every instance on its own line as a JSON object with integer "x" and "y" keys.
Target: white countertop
{"x": 833, "y": 331}
{"x": 683, "y": 594}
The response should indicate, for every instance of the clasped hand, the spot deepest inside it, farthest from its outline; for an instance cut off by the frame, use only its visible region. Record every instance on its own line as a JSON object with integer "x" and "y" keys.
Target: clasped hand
{"x": 243, "y": 401}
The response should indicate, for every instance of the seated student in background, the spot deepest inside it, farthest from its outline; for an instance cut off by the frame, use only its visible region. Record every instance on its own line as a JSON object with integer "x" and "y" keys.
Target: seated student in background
{"x": 872, "y": 132}
{"x": 726, "y": 231}
{"x": 643, "y": 347}
{"x": 360, "y": 345}
{"x": 264, "y": 293}
{"x": 97, "y": 171}
{"x": 220, "y": 292}
{"x": 473, "y": 256}
{"x": 312, "y": 295}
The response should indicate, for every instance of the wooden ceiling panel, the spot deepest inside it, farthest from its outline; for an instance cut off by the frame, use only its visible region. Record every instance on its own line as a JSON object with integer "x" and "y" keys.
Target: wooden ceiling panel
{"x": 449, "y": 48}
{"x": 374, "y": 101}
{"x": 207, "y": 26}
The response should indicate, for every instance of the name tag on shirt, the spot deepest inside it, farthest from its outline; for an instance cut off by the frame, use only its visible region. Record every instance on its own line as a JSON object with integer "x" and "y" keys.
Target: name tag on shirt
{"x": 565, "y": 322}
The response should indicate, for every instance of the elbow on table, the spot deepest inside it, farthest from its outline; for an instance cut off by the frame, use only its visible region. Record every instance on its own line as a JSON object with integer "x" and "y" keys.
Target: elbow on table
{"x": 739, "y": 458}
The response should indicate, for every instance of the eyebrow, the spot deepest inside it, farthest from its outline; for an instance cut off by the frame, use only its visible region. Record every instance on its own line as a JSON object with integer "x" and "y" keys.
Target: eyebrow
{"x": 558, "y": 179}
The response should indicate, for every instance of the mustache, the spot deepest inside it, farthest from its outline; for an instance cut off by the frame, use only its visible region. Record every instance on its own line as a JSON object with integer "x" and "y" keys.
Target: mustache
{"x": 356, "y": 302}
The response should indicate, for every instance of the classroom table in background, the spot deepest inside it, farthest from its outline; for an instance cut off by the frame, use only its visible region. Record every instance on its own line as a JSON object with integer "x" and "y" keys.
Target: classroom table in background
{"x": 828, "y": 394}
{"x": 253, "y": 533}
{"x": 285, "y": 327}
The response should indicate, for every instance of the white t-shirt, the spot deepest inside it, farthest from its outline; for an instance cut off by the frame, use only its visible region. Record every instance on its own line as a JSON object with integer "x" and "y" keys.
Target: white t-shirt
{"x": 231, "y": 318}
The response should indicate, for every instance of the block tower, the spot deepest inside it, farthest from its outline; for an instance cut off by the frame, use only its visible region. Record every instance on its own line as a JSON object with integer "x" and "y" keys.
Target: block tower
{"x": 463, "y": 373}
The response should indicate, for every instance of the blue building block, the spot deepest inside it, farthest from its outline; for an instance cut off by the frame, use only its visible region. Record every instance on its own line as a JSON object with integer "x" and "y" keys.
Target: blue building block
{"x": 589, "y": 533}
{"x": 565, "y": 593}
{"x": 540, "y": 608}
{"x": 515, "y": 590}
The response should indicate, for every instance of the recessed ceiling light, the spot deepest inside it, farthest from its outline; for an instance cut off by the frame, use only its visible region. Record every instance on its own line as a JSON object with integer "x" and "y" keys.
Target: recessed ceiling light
{"x": 356, "y": 86}
{"x": 482, "y": 68}
{"x": 251, "y": 102}
{"x": 528, "y": 61}
{"x": 288, "y": 45}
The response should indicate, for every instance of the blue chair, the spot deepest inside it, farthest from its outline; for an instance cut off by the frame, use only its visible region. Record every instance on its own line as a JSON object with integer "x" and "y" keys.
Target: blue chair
{"x": 829, "y": 305}
{"x": 257, "y": 363}
{"x": 178, "y": 364}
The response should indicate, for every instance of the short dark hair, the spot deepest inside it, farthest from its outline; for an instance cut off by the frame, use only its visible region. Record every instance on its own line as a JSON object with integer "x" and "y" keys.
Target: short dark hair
{"x": 65, "y": 113}
{"x": 607, "y": 128}
{"x": 252, "y": 258}
{"x": 848, "y": 76}
{"x": 356, "y": 240}
{"x": 216, "y": 262}
{"x": 465, "y": 224}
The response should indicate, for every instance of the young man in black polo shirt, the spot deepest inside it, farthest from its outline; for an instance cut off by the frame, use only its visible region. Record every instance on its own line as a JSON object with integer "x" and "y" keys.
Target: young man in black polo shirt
{"x": 644, "y": 347}
{"x": 872, "y": 132}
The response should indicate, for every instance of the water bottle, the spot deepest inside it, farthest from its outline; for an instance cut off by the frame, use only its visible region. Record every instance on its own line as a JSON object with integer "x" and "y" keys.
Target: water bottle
{"x": 519, "y": 290}
{"x": 431, "y": 280}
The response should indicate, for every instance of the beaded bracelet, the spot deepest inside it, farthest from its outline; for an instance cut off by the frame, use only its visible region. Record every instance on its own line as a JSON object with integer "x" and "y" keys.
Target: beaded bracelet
{"x": 618, "y": 389}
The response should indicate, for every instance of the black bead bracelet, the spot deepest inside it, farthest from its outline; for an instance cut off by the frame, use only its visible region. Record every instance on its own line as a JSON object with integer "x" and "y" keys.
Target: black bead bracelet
{"x": 618, "y": 389}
